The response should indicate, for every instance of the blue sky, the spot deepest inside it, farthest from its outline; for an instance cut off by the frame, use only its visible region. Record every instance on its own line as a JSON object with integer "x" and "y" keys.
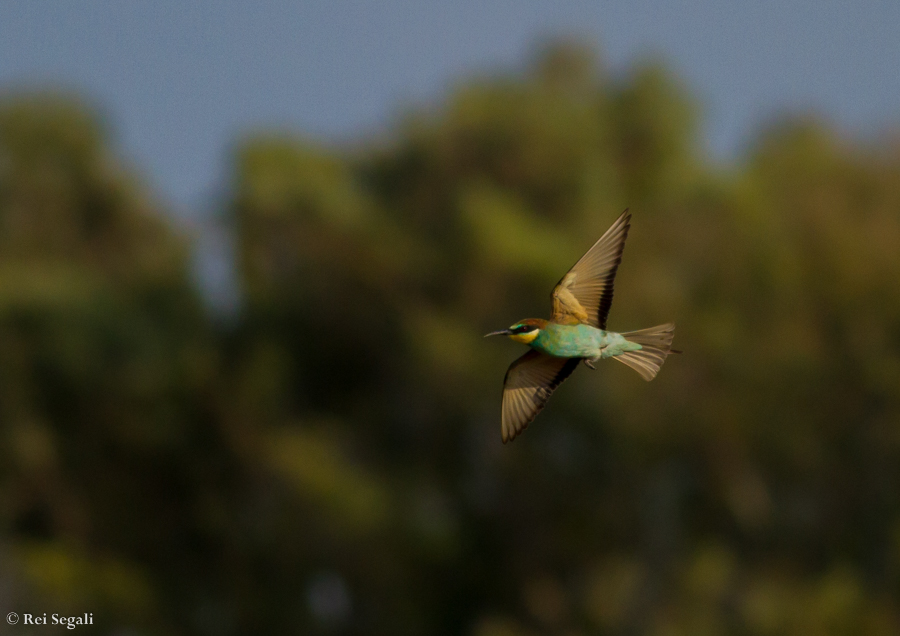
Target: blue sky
{"x": 180, "y": 81}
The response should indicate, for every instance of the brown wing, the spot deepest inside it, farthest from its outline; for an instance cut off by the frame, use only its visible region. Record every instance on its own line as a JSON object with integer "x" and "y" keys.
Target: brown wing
{"x": 529, "y": 383}
{"x": 585, "y": 293}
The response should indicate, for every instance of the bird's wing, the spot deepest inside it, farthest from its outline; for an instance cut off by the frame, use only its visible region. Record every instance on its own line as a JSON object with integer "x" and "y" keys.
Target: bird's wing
{"x": 585, "y": 293}
{"x": 529, "y": 383}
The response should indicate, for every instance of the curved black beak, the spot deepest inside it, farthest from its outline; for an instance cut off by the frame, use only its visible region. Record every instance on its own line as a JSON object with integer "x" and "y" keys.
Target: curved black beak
{"x": 502, "y": 332}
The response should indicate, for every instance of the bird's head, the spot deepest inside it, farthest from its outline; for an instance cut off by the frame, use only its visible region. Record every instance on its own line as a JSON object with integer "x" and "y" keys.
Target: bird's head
{"x": 524, "y": 331}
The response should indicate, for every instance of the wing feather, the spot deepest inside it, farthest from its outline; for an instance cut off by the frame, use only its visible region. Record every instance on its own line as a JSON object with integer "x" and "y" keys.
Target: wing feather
{"x": 585, "y": 293}
{"x": 529, "y": 383}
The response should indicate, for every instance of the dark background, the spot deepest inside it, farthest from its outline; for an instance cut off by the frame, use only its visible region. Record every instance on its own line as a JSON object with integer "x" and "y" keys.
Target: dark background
{"x": 324, "y": 456}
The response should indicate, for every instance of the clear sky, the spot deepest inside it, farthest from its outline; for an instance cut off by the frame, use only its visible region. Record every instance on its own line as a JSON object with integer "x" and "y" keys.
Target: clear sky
{"x": 180, "y": 80}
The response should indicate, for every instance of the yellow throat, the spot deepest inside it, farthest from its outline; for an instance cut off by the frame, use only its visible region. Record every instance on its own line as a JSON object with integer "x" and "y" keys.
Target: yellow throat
{"x": 525, "y": 338}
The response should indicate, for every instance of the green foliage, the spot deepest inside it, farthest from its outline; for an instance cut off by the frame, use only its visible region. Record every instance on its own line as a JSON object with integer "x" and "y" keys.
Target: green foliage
{"x": 330, "y": 462}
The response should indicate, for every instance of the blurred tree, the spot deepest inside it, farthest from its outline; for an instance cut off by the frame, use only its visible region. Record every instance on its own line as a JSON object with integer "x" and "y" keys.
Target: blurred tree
{"x": 331, "y": 464}
{"x": 105, "y": 378}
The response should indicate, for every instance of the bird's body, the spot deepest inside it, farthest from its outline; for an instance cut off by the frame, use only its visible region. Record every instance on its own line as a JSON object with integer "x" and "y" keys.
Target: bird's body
{"x": 578, "y": 341}
{"x": 576, "y": 332}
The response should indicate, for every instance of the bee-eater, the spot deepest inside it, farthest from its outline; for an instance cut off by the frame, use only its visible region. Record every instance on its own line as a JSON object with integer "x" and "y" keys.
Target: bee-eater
{"x": 576, "y": 332}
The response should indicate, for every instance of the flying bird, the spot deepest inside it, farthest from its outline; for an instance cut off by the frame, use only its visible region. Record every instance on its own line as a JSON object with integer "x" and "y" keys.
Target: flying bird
{"x": 576, "y": 332}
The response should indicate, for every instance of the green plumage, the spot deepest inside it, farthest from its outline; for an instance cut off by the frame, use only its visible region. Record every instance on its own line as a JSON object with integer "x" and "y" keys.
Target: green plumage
{"x": 580, "y": 341}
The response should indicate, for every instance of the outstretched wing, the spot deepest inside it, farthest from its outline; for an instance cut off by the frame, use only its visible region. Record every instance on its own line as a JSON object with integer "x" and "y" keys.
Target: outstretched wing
{"x": 585, "y": 293}
{"x": 529, "y": 383}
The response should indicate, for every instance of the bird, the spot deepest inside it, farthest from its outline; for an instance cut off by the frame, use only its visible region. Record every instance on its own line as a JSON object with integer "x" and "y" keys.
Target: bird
{"x": 576, "y": 333}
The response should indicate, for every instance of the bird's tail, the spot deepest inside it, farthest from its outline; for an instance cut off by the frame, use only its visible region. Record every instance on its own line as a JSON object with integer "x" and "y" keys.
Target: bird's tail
{"x": 655, "y": 344}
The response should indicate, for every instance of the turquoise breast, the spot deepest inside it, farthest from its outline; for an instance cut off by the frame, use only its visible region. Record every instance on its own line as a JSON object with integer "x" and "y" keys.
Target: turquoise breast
{"x": 569, "y": 341}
